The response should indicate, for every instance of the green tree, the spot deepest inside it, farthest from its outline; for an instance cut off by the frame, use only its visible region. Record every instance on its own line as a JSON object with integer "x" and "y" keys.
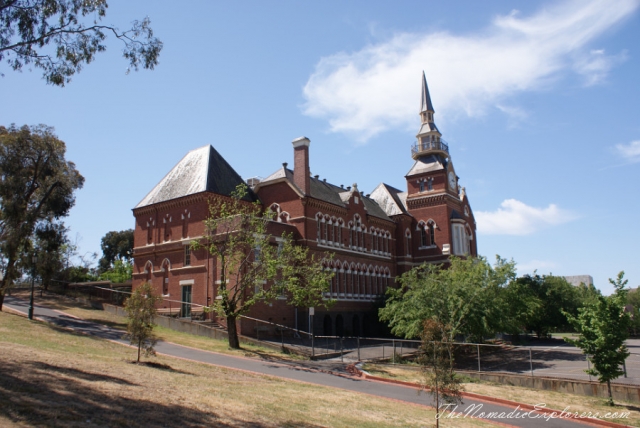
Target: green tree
{"x": 60, "y": 36}
{"x": 549, "y": 299}
{"x": 633, "y": 306}
{"x": 120, "y": 272}
{"x": 604, "y": 327}
{"x": 116, "y": 246}
{"x": 141, "y": 312}
{"x": 466, "y": 296}
{"x": 436, "y": 359}
{"x": 253, "y": 266}
{"x": 36, "y": 185}
{"x": 49, "y": 239}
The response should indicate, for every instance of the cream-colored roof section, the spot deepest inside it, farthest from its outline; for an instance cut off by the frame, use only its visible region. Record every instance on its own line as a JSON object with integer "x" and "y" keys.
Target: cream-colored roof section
{"x": 390, "y": 199}
{"x": 426, "y": 164}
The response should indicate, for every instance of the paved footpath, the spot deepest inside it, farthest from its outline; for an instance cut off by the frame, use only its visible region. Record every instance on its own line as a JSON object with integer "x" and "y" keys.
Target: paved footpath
{"x": 314, "y": 372}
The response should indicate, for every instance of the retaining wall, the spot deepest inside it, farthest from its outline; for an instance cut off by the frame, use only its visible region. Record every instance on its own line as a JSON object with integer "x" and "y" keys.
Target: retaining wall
{"x": 630, "y": 393}
{"x": 197, "y": 329}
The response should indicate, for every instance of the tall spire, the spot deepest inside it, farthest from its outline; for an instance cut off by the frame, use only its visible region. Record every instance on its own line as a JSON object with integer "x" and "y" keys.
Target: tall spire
{"x": 426, "y": 98}
{"x": 428, "y": 138}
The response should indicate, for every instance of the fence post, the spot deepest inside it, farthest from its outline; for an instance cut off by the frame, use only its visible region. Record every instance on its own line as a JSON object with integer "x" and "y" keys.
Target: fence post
{"x": 478, "y": 346}
{"x": 358, "y": 339}
{"x": 530, "y": 362}
{"x": 624, "y": 366}
{"x": 282, "y": 339}
{"x": 383, "y": 350}
{"x": 341, "y": 351}
{"x": 393, "y": 360}
{"x": 401, "y": 344}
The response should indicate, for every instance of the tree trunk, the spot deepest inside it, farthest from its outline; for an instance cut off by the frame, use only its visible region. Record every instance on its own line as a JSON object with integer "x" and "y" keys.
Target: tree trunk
{"x": 139, "y": 346}
{"x": 610, "y": 395}
{"x": 232, "y": 331}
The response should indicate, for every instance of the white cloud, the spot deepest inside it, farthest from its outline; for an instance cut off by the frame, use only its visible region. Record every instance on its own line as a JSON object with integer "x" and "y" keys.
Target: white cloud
{"x": 366, "y": 92}
{"x": 517, "y": 218}
{"x": 630, "y": 151}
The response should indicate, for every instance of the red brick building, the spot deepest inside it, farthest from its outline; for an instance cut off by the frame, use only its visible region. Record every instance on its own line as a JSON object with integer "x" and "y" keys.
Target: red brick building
{"x": 374, "y": 238}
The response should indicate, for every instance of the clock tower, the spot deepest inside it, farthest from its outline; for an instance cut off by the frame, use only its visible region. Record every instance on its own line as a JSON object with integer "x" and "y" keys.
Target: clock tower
{"x": 443, "y": 222}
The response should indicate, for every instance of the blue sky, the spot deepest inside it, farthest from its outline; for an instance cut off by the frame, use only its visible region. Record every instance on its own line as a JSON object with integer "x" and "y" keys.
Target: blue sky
{"x": 539, "y": 102}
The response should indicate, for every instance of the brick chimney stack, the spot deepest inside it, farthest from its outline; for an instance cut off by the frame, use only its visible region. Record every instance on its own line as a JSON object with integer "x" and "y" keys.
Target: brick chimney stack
{"x": 301, "y": 171}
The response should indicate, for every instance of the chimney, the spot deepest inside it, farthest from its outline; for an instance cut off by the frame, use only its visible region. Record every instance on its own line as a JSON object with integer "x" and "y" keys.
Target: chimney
{"x": 301, "y": 170}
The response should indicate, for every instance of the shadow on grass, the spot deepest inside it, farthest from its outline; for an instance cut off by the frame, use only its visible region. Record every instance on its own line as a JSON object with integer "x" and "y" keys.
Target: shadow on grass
{"x": 160, "y": 366}
{"x": 40, "y": 394}
{"x": 80, "y": 374}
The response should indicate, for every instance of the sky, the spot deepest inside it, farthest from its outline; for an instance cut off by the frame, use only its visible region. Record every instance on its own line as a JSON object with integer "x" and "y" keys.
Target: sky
{"x": 538, "y": 101}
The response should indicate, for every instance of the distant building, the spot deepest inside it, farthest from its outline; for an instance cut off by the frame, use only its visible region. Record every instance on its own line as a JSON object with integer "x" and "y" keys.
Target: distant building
{"x": 579, "y": 279}
{"x": 374, "y": 238}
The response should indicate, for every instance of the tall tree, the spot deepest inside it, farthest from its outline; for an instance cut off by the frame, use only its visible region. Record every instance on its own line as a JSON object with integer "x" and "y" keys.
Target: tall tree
{"x": 552, "y": 297}
{"x": 50, "y": 238}
{"x": 60, "y": 36}
{"x": 604, "y": 327}
{"x": 116, "y": 246}
{"x": 36, "y": 185}
{"x": 253, "y": 268}
{"x": 466, "y": 296}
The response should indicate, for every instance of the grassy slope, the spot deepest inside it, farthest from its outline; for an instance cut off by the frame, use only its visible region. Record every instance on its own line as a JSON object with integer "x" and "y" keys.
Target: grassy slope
{"x": 54, "y": 377}
{"x": 554, "y": 400}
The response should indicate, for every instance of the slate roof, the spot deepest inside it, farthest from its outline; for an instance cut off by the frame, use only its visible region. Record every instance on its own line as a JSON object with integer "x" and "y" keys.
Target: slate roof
{"x": 425, "y": 104}
{"x": 390, "y": 199}
{"x": 200, "y": 170}
{"x": 428, "y": 127}
{"x": 427, "y": 164}
{"x": 324, "y": 191}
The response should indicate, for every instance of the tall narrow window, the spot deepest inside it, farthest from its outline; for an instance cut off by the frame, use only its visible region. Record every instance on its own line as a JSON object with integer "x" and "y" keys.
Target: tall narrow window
{"x": 167, "y": 228}
{"x": 318, "y": 224}
{"x": 432, "y": 240}
{"x": 430, "y": 183}
{"x": 421, "y": 184}
{"x": 150, "y": 225}
{"x": 185, "y": 224}
{"x": 423, "y": 237}
{"x": 187, "y": 255}
{"x": 324, "y": 230}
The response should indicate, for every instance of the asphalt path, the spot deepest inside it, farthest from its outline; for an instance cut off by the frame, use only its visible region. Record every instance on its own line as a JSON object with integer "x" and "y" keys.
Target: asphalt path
{"x": 330, "y": 374}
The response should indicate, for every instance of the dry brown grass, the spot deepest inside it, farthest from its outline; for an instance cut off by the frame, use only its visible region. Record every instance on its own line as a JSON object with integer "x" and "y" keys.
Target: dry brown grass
{"x": 54, "y": 377}
{"x": 554, "y": 400}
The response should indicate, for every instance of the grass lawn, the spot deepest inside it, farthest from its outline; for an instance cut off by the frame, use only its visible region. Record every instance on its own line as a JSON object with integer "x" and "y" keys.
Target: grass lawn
{"x": 55, "y": 377}
{"x": 554, "y": 400}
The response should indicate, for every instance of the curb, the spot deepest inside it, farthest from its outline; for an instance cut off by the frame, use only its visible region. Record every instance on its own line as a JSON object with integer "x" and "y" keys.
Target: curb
{"x": 352, "y": 368}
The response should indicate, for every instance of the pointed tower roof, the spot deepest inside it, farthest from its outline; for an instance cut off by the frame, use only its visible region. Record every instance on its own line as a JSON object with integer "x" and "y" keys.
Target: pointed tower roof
{"x": 201, "y": 170}
{"x": 426, "y": 98}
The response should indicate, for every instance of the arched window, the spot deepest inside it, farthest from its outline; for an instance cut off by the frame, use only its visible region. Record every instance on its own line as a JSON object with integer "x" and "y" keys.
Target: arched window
{"x": 165, "y": 276}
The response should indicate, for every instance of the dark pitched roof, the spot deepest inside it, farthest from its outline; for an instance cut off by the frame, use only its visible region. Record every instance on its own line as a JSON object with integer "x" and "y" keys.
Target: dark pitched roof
{"x": 427, "y": 163}
{"x": 324, "y": 191}
{"x": 200, "y": 170}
